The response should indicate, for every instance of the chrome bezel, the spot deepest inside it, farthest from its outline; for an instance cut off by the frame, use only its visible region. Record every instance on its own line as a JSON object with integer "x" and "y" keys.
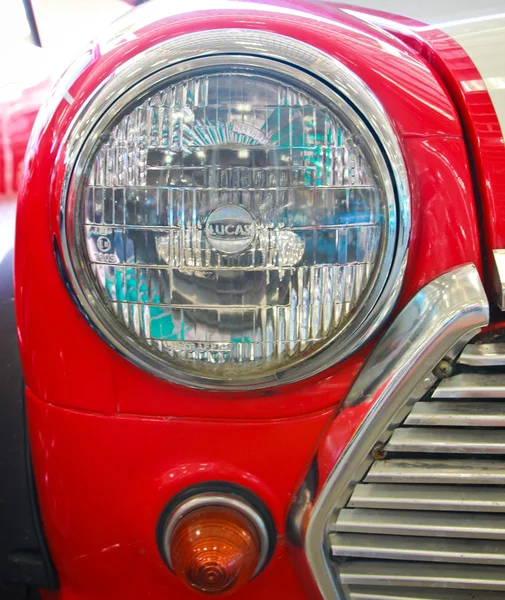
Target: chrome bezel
{"x": 207, "y": 500}
{"x": 292, "y": 59}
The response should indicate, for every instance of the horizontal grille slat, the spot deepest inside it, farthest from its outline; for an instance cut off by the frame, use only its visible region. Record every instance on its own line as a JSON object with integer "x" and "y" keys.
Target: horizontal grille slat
{"x": 472, "y": 385}
{"x": 458, "y": 414}
{"x": 384, "y": 593}
{"x": 420, "y": 574}
{"x": 393, "y": 547}
{"x": 421, "y": 523}
{"x": 483, "y": 355}
{"x": 437, "y": 470}
{"x": 428, "y": 497}
{"x": 447, "y": 441}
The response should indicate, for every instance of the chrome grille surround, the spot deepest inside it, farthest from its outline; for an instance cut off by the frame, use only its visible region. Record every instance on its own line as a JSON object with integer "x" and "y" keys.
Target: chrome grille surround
{"x": 438, "y": 322}
{"x": 437, "y": 500}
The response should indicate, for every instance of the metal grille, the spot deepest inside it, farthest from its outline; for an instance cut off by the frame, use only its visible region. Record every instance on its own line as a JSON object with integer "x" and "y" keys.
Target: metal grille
{"x": 427, "y": 522}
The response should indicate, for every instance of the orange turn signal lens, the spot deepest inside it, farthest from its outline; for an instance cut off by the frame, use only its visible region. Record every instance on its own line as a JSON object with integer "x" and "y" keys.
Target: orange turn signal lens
{"x": 215, "y": 550}
{"x": 216, "y": 542}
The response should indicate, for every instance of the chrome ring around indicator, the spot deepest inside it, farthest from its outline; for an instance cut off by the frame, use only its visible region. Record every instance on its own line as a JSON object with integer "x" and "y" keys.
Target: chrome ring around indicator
{"x": 207, "y": 500}
{"x": 242, "y": 48}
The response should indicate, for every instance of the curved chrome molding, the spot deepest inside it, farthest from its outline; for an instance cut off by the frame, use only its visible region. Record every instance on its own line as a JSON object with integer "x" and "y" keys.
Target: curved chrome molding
{"x": 437, "y": 321}
{"x": 245, "y": 48}
{"x": 212, "y": 499}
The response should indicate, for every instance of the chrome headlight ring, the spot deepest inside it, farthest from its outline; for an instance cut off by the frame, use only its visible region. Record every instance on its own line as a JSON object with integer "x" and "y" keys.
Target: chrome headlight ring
{"x": 257, "y": 51}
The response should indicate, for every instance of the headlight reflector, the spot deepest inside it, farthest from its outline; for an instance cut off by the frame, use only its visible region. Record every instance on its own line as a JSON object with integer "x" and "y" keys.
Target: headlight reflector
{"x": 231, "y": 223}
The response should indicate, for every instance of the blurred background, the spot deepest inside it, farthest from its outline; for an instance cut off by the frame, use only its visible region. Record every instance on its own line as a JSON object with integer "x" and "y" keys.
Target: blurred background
{"x": 64, "y": 26}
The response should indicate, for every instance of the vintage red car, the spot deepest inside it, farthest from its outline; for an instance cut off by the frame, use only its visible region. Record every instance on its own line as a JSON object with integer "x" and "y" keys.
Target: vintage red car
{"x": 259, "y": 276}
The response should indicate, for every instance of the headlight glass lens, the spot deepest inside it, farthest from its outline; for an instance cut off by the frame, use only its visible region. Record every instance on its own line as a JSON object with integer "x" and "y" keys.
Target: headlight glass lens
{"x": 232, "y": 224}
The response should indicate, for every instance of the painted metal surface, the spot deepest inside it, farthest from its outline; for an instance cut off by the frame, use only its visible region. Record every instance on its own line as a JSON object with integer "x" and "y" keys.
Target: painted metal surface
{"x": 478, "y": 27}
{"x": 470, "y": 77}
{"x": 113, "y": 444}
{"x": 103, "y": 483}
{"x": 27, "y": 80}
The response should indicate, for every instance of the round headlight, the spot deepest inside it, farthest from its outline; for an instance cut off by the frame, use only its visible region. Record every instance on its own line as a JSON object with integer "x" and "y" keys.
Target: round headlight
{"x": 230, "y": 220}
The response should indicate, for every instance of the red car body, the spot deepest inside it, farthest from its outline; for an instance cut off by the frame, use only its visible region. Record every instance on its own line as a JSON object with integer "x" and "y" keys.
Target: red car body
{"x": 111, "y": 445}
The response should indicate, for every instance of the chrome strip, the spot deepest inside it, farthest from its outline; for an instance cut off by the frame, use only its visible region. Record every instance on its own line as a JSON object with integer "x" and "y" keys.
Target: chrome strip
{"x": 440, "y": 317}
{"x": 425, "y": 575}
{"x": 499, "y": 278}
{"x": 234, "y": 48}
{"x": 434, "y": 470}
{"x": 472, "y": 385}
{"x": 424, "y": 523}
{"x": 407, "y": 592}
{"x": 457, "y": 414}
{"x": 447, "y": 440}
{"x": 406, "y": 496}
{"x": 418, "y": 548}
{"x": 483, "y": 355}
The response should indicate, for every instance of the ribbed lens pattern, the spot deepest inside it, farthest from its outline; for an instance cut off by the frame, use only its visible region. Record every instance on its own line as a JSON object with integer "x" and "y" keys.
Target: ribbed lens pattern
{"x": 232, "y": 223}
{"x": 215, "y": 550}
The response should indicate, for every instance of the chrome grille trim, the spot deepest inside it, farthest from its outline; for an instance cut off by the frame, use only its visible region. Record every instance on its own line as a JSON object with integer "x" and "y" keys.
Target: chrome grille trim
{"x": 438, "y": 322}
{"x": 364, "y": 593}
{"x": 483, "y": 355}
{"x": 472, "y": 385}
{"x": 425, "y": 549}
{"x": 458, "y": 414}
{"x": 426, "y": 575}
{"x": 448, "y": 441}
{"x": 421, "y": 523}
{"x": 434, "y": 470}
{"x": 428, "y": 497}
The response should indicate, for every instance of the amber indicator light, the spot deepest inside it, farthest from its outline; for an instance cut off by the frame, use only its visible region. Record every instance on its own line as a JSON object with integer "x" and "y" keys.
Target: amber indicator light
{"x": 215, "y": 550}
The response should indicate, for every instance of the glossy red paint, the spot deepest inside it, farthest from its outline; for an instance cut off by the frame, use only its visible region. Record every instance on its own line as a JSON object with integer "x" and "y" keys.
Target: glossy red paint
{"x": 440, "y": 211}
{"x": 103, "y": 483}
{"x": 483, "y": 131}
{"x": 111, "y": 444}
{"x": 445, "y": 223}
{"x": 480, "y": 123}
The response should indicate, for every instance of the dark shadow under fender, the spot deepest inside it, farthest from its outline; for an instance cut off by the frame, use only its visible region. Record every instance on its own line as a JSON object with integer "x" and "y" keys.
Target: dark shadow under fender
{"x": 24, "y": 557}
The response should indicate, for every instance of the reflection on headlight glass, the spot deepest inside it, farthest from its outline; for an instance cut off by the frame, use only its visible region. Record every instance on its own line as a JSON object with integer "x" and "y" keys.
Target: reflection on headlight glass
{"x": 233, "y": 222}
